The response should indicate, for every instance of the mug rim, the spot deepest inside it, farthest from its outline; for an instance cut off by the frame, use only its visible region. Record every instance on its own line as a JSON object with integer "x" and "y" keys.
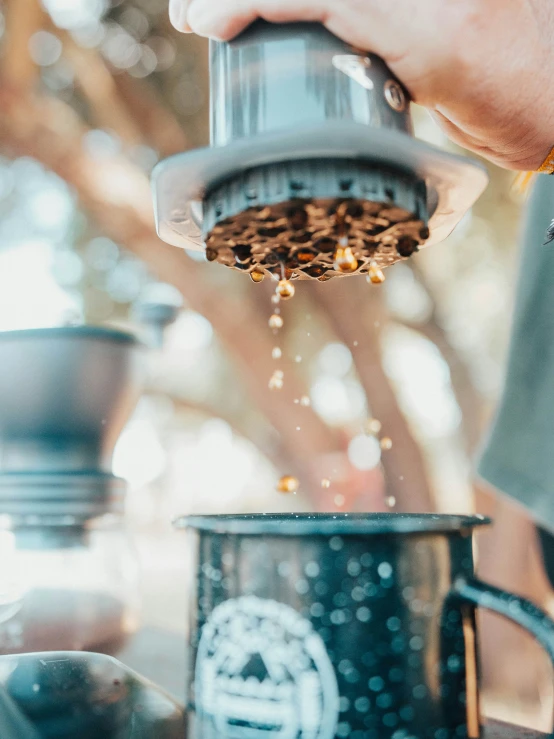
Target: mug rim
{"x": 80, "y": 331}
{"x": 330, "y": 524}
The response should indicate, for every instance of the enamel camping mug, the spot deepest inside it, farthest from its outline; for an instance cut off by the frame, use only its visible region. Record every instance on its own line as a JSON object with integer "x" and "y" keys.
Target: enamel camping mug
{"x": 322, "y": 626}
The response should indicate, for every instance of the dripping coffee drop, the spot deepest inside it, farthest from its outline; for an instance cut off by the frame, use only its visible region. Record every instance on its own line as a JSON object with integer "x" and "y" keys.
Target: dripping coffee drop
{"x": 375, "y": 275}
{"x": 285, "y": 289}
{"x": 287, "y": 485}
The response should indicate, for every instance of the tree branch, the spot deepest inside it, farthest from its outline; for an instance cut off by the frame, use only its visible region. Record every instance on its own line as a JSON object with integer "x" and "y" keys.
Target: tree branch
{"x": 99, "y": 88}
{"x": 274, "y": 453}
{"x": 158, "y": 125}
{"x": 23, "y": 19}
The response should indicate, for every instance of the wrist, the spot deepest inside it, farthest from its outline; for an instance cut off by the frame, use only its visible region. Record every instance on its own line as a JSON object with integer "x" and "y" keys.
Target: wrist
{"x": 539, "y": 118}
{"x": 538, "y": 158}
{"x": 547, "y": 166}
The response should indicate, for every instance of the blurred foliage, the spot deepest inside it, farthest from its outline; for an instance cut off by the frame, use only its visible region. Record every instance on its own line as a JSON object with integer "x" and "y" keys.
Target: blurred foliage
{"x": 445, "y": 325}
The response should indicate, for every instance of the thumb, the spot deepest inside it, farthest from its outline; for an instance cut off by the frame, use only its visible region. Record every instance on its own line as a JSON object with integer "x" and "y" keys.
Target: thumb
{"x": 178, "y": 10}
{"x": 224, "y": 20}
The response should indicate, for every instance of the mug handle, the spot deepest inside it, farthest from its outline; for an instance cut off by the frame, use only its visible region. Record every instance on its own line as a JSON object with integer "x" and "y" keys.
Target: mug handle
{"x": 519, "y": 610}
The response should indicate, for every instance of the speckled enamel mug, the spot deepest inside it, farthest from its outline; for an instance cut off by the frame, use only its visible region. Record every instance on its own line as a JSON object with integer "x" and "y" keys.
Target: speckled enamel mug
{"x": 323, "y": 626}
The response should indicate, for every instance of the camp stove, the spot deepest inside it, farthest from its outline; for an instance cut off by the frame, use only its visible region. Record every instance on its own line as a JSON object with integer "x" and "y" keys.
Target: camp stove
{"x": 312, "y": 150}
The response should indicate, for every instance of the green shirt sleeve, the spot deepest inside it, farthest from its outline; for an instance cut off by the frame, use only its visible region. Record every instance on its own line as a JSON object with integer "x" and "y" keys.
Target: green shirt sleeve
{"x": 518, "y": 457}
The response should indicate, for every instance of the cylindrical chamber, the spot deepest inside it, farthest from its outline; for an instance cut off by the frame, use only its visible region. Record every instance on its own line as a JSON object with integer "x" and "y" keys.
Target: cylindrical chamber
{"x": 281, "y": 76}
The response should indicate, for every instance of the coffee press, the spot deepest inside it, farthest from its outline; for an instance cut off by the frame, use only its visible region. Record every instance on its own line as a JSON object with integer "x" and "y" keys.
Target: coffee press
{"x": 68, "y": 577}
{"x": 311, "y": 153}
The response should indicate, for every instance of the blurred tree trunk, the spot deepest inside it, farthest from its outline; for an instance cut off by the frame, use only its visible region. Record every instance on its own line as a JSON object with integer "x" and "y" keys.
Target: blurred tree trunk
{"x": 356, "y": 313}
{"x": 468, "y": 397}
{"x": 23, "y": 19}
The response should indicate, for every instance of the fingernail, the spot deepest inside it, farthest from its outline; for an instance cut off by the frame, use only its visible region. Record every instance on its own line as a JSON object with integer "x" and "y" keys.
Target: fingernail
{"x": 198, "y": 16}
{"x": 178, "y": 15}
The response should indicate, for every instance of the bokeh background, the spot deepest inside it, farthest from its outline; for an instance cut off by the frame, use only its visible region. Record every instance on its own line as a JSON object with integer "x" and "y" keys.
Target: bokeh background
{"x": 93, "y": 93}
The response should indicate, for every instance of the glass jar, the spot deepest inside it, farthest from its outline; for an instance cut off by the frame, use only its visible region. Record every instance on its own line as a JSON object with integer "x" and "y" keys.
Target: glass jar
{"x": 66, "y": 584}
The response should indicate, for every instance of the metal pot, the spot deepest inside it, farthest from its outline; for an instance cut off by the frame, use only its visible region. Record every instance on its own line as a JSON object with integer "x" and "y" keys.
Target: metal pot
{"x": 65, "y": 395}
{"x": 323, "y": 626}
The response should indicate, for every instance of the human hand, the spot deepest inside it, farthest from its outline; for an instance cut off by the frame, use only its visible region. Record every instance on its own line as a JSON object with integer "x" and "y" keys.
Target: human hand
{"x": 483, "y": 68}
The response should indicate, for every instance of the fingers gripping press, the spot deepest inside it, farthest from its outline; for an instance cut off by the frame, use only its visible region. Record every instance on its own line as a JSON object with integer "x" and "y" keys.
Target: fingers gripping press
{"x": 224, "y": 19}
{"x": 363, "y": 23}
{"x": 449, "y": 54}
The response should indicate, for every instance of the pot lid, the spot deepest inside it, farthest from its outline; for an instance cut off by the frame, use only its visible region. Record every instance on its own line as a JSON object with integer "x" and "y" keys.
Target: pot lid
{"x": 80, "y": 495}
{"x": 331, "y": 524}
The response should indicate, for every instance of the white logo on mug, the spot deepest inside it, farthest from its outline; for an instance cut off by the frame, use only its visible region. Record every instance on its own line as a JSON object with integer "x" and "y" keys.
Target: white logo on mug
{"x": 263, "y": 671}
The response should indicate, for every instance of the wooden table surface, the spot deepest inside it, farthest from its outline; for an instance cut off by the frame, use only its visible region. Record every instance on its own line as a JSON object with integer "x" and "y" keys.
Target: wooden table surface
{"x": 161, "y": 657}
{"x": 503, "y": 731}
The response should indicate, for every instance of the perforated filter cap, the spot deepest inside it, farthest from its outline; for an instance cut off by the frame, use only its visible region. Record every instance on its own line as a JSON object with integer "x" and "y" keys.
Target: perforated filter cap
{"x": 294, "y": 217}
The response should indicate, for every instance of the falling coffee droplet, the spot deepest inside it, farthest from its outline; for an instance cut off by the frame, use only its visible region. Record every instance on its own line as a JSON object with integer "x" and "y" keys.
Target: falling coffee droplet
{"x": 386, "y": 443}
{"x": 276, "y": 381}
{"x": 276, "y": 353}
{"x": 345, "y": 261}
{"x": 305, "y": 401}
{"x": 275, "y": 299}
{"x": 326, "y": 483}
{"x": 372, "y": 427}
{"x": 375, "y": 275}
{"x": 287, "y": 484}
{"x": 390, "y": 501}
{"x": 257, "y": 276}
{"x": 275, "y": 321}
{"x": 285, "y": 289}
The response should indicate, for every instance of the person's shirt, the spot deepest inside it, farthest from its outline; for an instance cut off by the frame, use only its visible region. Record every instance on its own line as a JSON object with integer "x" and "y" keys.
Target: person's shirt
{"x": 518, "y": 457}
